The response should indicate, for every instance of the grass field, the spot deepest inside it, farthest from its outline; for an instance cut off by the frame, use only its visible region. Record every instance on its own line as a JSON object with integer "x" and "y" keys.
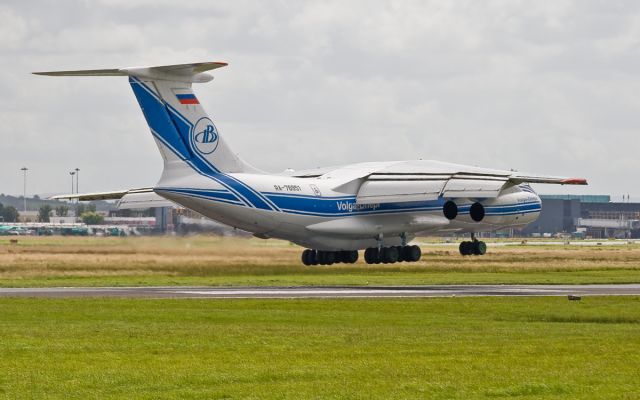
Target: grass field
{"x": 91, "y": 261}
{"x": 450, "y": 348}
{"x": 446, "y": 348}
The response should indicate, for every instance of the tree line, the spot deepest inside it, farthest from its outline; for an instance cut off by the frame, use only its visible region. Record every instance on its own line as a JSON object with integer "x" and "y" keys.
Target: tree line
{"x": 86, "y": 212}
{"x": 8, "y": 214}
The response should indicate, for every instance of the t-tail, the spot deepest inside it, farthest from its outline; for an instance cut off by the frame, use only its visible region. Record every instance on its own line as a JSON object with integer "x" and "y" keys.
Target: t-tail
{"x": 186, "y": 136}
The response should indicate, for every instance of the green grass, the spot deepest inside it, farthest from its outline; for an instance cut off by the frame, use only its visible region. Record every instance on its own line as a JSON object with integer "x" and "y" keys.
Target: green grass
{"x": 217, "y": 261}
{"x": 465, "y": 348}
{"x": 339, "y": 276}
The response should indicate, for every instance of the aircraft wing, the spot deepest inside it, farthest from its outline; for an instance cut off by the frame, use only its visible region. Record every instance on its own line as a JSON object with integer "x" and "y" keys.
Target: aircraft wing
{"x": 519, "y": 178}
{"x": 428, "y": 180}
{"x": 127, "y": 199}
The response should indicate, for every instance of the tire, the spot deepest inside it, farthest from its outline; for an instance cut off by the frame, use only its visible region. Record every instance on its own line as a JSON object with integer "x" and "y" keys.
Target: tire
{"x": 389, "y": 255}
{"x": 413, "y": 253}
{"x": 313, "y": 257}
{"x": 350, "y": 257}
{"x": 374, "y": 256}
{"x": 401, "y": 257}
{"x": 322, "y": 257}
{"x": 367, "y": 256}
{"x": 479, "y": 248}
{"x": 330, "y": 257}
{"x": 306, "y": 257}
{"x": 338, "y": 257}
{"x": 466, "y": 248}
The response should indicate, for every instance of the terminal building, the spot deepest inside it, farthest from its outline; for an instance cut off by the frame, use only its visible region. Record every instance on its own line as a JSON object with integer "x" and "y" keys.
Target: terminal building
{"x": 594, "y": 216}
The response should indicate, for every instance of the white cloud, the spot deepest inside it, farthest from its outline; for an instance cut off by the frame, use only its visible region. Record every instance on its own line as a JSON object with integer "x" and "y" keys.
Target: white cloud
{"x": 546, "y": 87}
{"x": 13, "y": 29}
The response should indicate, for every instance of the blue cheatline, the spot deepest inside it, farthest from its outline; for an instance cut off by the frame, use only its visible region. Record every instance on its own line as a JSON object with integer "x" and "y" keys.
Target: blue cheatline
{"x": 337, "y": 207}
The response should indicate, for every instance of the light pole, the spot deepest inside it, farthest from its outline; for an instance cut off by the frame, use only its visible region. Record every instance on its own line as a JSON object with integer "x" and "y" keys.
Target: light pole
{"x": 24, "y": 187}
{"x": 77, "y": 180}
{"x": 72, "y": 173}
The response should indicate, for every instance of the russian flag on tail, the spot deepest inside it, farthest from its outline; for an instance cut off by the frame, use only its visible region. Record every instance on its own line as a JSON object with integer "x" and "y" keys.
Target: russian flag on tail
{"x": 187, "y": 98}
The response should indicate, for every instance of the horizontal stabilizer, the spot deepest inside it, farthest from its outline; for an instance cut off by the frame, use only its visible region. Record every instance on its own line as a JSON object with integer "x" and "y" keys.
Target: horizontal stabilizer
{"x": 127, "y": 199}
{"x": 189, "y": 73}
{"x": 114, "y": 195}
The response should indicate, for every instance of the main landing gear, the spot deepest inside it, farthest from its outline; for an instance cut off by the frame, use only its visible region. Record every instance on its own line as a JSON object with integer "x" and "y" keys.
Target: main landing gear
{"x": 317, "y": 257}
{"x": 372, "y": 255}
{"x": 393, "y": 254}
{"x": 473, "y": 248}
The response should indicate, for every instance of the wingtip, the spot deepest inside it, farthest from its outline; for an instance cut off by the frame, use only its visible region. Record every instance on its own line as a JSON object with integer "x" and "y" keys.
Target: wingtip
{"x": 574, "y": 181}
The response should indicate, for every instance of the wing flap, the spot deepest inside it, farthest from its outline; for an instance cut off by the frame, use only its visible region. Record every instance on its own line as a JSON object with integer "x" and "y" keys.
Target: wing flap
{"x": 388, "y": 191}
{"x": 484, "y": 188}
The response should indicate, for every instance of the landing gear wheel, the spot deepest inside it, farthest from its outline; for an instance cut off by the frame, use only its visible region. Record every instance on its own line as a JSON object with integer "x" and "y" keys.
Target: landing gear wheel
{"x": 330, "y": 257}
{"x": 479, "y": 247}
{"x": 476, "y": 248}
{"x": 326, "y": 257}
{"x": 466, "y": 248}
{"x": 313, "y": 257}
{"x": 412, "y": 253}
{"x": 349, "y": 257}
{"x": 306, "y": 257}
{"x": 389, "y": 255}
{"x": 372, "y": 255}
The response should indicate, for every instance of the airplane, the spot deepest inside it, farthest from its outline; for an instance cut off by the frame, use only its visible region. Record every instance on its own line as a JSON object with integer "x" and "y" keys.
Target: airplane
{"x": 333, "y": 212}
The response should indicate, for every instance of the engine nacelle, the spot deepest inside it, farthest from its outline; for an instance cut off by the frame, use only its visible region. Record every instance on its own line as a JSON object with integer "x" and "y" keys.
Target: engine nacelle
{"x": 476, "y": 212}
{"x": 450, "y": 210}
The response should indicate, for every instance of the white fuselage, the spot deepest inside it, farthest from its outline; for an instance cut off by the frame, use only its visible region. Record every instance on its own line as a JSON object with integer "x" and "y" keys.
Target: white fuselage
{"x": 352, "y": 207}
{"x": 310, "y": 213}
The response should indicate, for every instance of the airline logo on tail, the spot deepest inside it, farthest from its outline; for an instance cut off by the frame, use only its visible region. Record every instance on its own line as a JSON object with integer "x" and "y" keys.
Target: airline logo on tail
{"x": 204, "y": 136}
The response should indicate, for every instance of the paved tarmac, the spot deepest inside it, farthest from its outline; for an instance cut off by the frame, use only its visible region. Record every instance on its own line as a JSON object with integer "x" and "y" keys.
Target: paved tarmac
{"x": 327, "y": 292}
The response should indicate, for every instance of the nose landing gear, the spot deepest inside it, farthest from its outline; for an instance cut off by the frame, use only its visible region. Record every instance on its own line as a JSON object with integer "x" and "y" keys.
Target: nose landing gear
{"x": 475, "y": 247}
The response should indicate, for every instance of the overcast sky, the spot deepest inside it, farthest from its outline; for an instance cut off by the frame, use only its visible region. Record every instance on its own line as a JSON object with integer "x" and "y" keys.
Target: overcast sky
{"x": 550, "y": 87}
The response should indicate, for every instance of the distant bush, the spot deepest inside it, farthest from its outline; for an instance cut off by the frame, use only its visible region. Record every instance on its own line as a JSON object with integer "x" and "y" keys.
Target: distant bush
{"x": 92, "y": 218}
{"x": 44, "y": 213}
{"x": 9, "y": 213}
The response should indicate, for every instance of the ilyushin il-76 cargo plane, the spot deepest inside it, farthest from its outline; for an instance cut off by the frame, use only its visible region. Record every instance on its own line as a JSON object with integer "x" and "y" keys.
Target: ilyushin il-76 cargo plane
{"x": 332, "y": 212}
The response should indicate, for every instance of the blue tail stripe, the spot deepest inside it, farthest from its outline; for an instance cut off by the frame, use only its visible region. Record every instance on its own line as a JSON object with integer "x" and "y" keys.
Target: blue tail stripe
{"x": 182, "y": 129}
{"x": 157, "y": 117}
{"x": 173, "y": 130}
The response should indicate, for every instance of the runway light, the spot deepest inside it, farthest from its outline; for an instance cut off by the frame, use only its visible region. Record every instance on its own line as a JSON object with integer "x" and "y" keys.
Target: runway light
{"x": 573, "y": 297}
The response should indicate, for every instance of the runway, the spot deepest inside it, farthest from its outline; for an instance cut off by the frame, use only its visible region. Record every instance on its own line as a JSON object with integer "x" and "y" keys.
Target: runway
{"x": 326, "y": 292}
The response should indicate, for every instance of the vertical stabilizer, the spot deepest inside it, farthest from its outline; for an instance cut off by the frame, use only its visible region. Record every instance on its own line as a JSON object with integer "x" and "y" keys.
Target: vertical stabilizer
{"x": 185, "y": 134}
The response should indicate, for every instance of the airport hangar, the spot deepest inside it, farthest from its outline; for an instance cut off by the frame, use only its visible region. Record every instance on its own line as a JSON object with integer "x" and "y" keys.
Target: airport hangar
{"x": 594, "y": 216}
